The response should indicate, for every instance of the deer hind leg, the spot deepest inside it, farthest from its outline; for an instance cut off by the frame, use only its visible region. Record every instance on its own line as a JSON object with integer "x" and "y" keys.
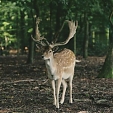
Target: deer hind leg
{"x": 58, "y": 89}
{"x": 64, "y": 90}
{"x": 54, "y": 94}
{"x": 70, "y": 85}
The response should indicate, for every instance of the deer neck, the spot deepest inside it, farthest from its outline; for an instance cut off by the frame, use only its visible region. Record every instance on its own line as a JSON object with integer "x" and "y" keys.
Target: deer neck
{"x": 51, "y": 62}
{"x": 51, "y": 65}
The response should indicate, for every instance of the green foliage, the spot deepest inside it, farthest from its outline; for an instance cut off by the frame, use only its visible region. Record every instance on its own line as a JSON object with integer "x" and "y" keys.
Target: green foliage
{"x": 7, "y": 15}
{"x": 17, "y": 19}
{"x": 30, "y": 30}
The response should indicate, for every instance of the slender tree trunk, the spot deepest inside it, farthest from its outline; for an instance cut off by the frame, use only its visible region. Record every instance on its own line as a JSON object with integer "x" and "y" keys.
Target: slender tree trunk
{"x": 107, "y": 69}
{"x": 31, "y": 47}
{"x": 86, "y": 37}
{"x": 50, "y": 31}
{"x": 75, "y": 44}
{"x": 31, "y": 42}
{"x": 18, "y": 33}
{"x": 22, "y": 31}
{"x": 57, "y": 18}
{"x": 31, "y": 51}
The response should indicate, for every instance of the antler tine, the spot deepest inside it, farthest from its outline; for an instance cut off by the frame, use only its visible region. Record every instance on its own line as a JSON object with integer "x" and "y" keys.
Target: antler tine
{"x": 72, "y": 29}
{"x": 38, "y": 38}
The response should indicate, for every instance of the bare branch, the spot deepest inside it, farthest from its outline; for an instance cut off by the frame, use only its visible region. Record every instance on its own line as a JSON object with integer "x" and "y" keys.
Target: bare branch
{"x": 72, "y": 29}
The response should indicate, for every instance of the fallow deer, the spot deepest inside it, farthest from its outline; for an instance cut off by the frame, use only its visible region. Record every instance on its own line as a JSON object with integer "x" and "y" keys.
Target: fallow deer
{"x": 60, "y": 65}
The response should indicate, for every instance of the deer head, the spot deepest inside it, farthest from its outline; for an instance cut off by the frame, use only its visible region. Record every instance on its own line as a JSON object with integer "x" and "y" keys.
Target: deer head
{"x": 48, "y": 53}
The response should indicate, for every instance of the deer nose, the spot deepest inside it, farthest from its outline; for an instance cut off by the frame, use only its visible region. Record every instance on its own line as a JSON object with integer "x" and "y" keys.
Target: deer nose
{"x": 42, "y": 56}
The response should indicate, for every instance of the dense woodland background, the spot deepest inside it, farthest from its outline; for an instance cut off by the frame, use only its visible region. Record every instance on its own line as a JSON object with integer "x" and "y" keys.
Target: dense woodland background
{"x": 17, "y": 23}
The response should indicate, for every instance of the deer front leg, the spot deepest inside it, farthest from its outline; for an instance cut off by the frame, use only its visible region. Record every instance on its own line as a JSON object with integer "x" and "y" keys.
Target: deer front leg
{"x": 64, "y": 90}
{"x": 70, "y": 84}
{"x": 53, "y": 86}
{"x": 58, "y": 89}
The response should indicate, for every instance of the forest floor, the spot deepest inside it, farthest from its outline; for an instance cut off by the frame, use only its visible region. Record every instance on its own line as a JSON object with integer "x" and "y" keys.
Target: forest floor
{"x": 24, "y": 87}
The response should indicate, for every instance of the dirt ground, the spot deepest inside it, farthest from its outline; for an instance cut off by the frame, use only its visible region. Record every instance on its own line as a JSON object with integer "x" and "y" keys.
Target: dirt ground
{"x": 24, "y": 87}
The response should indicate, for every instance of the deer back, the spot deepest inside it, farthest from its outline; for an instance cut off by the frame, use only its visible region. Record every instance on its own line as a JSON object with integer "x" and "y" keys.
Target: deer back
{"x": 65, "y": 58}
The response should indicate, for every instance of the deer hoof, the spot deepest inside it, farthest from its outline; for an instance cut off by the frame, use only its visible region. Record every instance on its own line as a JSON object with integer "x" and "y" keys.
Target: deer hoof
{"x": 62, "y": 101}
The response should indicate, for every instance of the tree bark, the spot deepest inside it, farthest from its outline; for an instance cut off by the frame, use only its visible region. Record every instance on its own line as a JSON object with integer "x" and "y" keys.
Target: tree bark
{"x": 86, "y": 37}
{"x": 31, "y": 51}
{"x": 22, "y": 31}
{"x": 75, "y": 44}
{"x": 57, "y": 17}
{"x": 31, "y": 42}
{"x": 107, "y": 69}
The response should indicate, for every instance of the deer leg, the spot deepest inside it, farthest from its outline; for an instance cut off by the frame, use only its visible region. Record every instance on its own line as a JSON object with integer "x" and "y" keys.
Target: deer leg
{"x": 64, "y": 90}
{"x": 58, "y": 89}
{"x": 53, "y": 86}
{"x": 70, "y": 84}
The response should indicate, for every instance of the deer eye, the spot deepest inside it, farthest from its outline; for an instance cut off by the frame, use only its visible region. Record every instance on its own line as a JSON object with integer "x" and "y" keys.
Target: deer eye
{"x": 50, "y": 51}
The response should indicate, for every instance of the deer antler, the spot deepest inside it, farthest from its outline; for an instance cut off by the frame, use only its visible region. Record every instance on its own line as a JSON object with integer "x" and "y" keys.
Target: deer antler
{"x": 38, "y": 38}
{"x": 72, "y": 29}
{"x": 41, "y": 40}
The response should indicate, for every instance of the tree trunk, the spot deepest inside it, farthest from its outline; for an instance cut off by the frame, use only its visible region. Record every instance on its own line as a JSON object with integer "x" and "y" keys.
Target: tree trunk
{"x": 75, "y": 44}
{"x": 31, "y": 48}
{"x": 31, "y": 42}
{"x": 18, "y": 32}
{"x": 31, "y": 51}
{"x": 22, "y": 31}
{"x": 58, "y": 17}
{"x": 51, "y": 19}
{"x": 107, "y": 69}
{"x": 86, "y": 38}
